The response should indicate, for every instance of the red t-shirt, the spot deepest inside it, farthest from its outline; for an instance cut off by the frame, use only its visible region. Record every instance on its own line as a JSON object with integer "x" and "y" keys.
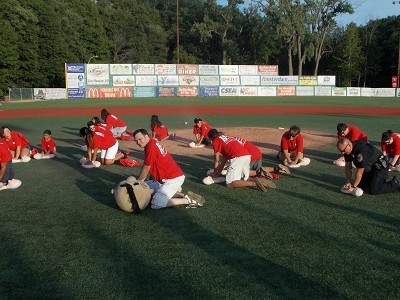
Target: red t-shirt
{"x": 160, "y": 132}
{"x": 16, "y": 139}
{"x": 162, "y": 165}
{"x": 354, "y": 134}
{"x": 196, "y": 129}
{"x": 253, "y": 150}
{"x": 102, "y": 127}
{"x": 5, "y": 154}
{"x": 393, "y": 148}
{"x": 49, "y": 145}
{"x": 292, "y": 145}
{"x": 113, "y": 121}
{"x": 204, "y": 129}
{"x": 103, "y": 140}
{"x": 229, "y": 147}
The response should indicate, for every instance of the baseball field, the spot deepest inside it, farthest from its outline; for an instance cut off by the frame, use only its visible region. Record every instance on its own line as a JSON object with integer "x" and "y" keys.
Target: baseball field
{"x": 62, "y": 236}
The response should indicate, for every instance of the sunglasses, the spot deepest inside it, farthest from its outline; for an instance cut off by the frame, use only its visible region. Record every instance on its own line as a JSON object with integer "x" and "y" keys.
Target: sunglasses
{"x": 344, "y": 149}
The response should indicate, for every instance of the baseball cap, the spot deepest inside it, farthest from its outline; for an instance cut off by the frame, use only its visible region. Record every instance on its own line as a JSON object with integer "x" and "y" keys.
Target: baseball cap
{"x": 197, "y": 120}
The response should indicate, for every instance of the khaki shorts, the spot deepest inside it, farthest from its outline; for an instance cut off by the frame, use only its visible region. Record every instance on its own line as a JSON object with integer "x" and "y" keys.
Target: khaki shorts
{"x": 238, "y": 169}
{"x": 165, "y": 191}
{"x": 110, "y": 152}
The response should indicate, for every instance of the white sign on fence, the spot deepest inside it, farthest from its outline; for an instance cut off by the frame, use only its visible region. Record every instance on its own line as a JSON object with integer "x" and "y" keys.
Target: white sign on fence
{"x": 228, "y": 70}
{"x": 209, "y": 80}
{"x": 248, "y": 70}
{"x": 192, "y": 80}
{"x": 123, "y": 80}
{"x": 339, "y": 91}
{"x": 247, "y": 91}
{"x": 120, "y": 69}
{"x": 146, "y": 80}
{"x": 208, "y": 69}
{"x": 304, "y": 91}
{"x": 143, "y": 69}
{"x": 385, "y": 92}
{"x": 168, "y": 80}
{"x": 229, "y": 80}
{"x": 354, "y": 91}
{"x": 279, "y": 80}
{"x": 229, "y": 91}
{"x": 166, "y": 69}
{"x": 327, "y": 80}
{"x": 250, "y": 80}
{"x": 323, "y": 91}
{"x": 269, "y": 91}
{"x": 97, "y": 74}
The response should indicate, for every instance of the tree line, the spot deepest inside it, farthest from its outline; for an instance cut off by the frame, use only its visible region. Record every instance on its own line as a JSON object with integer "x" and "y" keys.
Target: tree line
{"x": 302, "y": 37}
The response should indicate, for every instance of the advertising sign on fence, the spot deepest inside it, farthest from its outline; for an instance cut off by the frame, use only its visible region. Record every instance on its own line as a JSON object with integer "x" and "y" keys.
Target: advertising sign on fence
{"x": 144, "y": 91}
{"x": 248, "y": 70}
{"x": 279, "y": 80}
{"x": 209, "y": 80}
{"x": 327, "y": 80}
{"x": 192, "y": 80}
{"x": 285, "y": 91}
{"x": 168, "y": 80}
{"x": 143, "y": 69}
{"x": 166, "y": 69}
{"x": 367, "y": 92}
{"x": 208, "y": 69}
{"x": 228, "y": 91}
{"x": 304, "y": 91}
{"x": 120, "y": 69}
{"x": 209, "y": 91}
{"x": 353, "y": 91}
{"x": 229, "y": 80}
{"x": 97, "y": 74}
{"x": 339, "y": 91}
{"x": 269, "y": 91}
{"x": 188, "y": 91}
{"x": 109, "y": 92}
{"x": 167, "y": 91}
{"x": 385, "y": 92}
{"x": 123, "y": 80}
{"x": 187, "y": 70}
{"x": 49, "y": 93}
{"x": 268, "y": 70}
{"x": 75, "y": 80}
{"x": 323, "y": 91}
{"x": 248, "y": 91}
{"x": 308, "y": 80}
{"x": 148, "y": 80}
{"x": 228, "y": 70}
{"x": 250, "y": 80}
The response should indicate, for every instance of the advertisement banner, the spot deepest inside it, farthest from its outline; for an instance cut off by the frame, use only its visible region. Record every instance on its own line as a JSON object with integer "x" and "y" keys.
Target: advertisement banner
{"x": 143, "y": 69}
{"x": 308, "y": 80}
{"x": 75, "y": 80}
{"x": 187, "y": 70}
{"x": 188, "y": 91}
{"x": 339, "y": 91}
{"x": 327, "y": 80}
{"x": 144, "y": 91}
{"x": 385, "y": 92}
{"x": 123, "y": 80}
{"x": 397, "y": 92}
{"x": 353, "y": 91}
{"x": 268, "y": 70}
{"x": 279, "y": 80}
{"x": 285, "y": 91}
{"x": 167, "y": 91}
{"x": 247, "y": 91}
{"x": 168, "y": 80}
{"x": 304, "y": 91}
{"x": 109, "y": 92}
{"x": 323, "y": 91}
{"x": 208, "y": 69}
{"x": 192, "y": 80}
{"x": 248, "y": 70}
{"x": 228, "y": 70}
{"x": 209, "y": 80}
{"x": 269, "y": 91}
{"x": 250, "y": 80}
{"x": 229, "y": 80}
{"x": 228, "y": 91}
{"x": 367, "y": 92}
{"x": 49, "y": 93}
{"x": 166, "y": 69}
{"x": 209, "y": 91}
{"x": 146, "y": 80}
{"x": 97, "y": 74}
{"x": 120, "y": 69}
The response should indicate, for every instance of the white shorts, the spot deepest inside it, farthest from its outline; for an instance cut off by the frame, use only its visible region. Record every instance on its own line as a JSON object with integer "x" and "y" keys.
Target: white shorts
{"x": 110, "y": 152}
{"x": 238, "y": 169}
{"x": 164, "y": 192}
{"x": 118, "y": 130}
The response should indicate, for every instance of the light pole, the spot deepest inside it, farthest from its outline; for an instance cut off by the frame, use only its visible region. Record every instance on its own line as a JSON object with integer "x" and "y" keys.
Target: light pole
{"x": 398, "y": 59}
{"x": 94, "y": 56}
{"x": 177, "y": 29}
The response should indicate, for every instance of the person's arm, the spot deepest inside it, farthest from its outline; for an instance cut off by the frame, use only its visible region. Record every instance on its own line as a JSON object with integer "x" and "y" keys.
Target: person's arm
{"x": 348, "y": 173}
{"x": 394, "y": 160}
{"x": 17, "y": 152}
{"x": 358, "y": 177}
{"x": 286, "y": 154}
{"x": 143, "y": 172}
{"x": 3, "y": 167}
{"x": 219, "y": 167}
{"x": 201, "y": 138}
{"x": 216, "y": 160}
{"x": 297, "y": 158}
{"x": 94, "y": 154}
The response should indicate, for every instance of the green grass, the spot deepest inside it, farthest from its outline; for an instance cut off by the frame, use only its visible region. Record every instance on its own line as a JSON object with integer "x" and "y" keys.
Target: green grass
{"x": 63, "y": 237}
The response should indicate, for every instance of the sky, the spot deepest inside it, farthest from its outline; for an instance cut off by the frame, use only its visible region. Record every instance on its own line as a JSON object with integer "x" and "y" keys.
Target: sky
{"x": 364, "y": 10}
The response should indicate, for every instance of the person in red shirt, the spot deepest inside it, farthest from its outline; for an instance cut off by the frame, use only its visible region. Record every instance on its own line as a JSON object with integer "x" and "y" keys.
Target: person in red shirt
{"x": 159, "y": 131}
{"x": 201, "y": 132}
{"x": 353, "y": 133}
{"x": 390, "y": 144}
{"x": 48, "y": 144}
{"x": 292, "y": 148}
{"x": 168, "y": 176}
{"x": 104, "y": 141}
{"x": 96, "y": 121}
{"x": 228, "y": 149}
{"x": 16, "y": 143}
{"x": 7, "y": 180}
{"x": 118, "y": 126}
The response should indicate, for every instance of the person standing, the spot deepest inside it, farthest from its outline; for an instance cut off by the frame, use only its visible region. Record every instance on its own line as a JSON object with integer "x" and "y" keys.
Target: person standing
{"x": 167, "y": 174}
{"x": 371, "y": 168}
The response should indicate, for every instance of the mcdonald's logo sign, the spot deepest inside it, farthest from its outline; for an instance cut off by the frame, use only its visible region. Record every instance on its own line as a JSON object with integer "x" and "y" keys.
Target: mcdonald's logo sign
{"x": 122, "y": 92}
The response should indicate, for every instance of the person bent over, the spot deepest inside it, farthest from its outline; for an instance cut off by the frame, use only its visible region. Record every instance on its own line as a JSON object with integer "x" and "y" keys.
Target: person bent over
{"x": 168, "y": 176}
{"x": 292, "y": 148}
{"x": 200, "y": 130}
{"x": 7, "y": 180}
{"x": 371, "y": 168}
{"x": 17, "y": 144}
{"x": 390, "y": 144}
